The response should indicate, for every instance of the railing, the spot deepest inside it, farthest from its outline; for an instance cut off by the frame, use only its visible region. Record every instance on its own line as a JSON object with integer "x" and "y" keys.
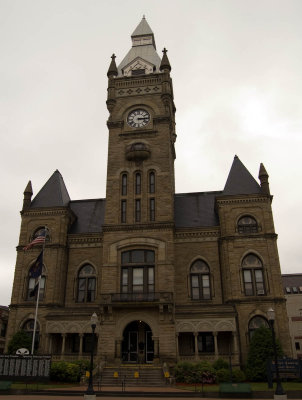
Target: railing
{"x": 138, "y": 297}
{"x": 70, "y": 357}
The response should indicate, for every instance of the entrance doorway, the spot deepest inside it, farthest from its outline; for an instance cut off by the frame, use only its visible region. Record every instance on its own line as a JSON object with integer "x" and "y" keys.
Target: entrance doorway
{"x": 137, "y": 345}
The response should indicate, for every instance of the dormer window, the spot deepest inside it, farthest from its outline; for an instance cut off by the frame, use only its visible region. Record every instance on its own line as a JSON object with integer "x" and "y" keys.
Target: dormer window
{"x": 247, "y": 224}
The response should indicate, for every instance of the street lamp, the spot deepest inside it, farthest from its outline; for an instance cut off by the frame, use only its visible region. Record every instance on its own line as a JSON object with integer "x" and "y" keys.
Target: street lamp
{"x": 93, "y": 323}
{"x": 271, "y": 319}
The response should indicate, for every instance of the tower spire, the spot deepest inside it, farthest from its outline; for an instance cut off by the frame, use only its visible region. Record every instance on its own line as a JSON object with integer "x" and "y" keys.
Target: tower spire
{"x": 112, "y": 71}
{"x": 263, "y": 177}
{"x": 165, "y": 63}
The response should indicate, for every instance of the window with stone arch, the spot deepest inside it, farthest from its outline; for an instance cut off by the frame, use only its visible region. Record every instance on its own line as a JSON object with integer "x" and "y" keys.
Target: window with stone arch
{"x": 151, "y": 182}
{"x": 124, "y": 184}
{"x": 40, "y": 231}
{"x": 253, "y": 276}
{"x": 28, "y": 328}
{"x": 32, "y": 285}
{"x": 86, "y": 284}
{"x": 200, "y": 280}
{"x": 257, "y": 322}
{"x": 247, "y": 224}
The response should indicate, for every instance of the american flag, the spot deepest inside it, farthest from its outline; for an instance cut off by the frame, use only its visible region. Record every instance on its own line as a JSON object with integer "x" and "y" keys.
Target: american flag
{"x": 40, "y": 239}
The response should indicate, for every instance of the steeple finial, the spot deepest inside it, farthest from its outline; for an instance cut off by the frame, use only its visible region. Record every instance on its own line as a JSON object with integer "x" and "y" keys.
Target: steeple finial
{"x": 165, "y": 64}
{"x": 28, "y": 192}
{"x": 112, "y": 71}
{"x": 263, "y": 177}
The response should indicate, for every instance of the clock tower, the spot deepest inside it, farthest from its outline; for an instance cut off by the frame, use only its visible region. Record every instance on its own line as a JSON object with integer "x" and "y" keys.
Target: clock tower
{"x": 141, "y": 135}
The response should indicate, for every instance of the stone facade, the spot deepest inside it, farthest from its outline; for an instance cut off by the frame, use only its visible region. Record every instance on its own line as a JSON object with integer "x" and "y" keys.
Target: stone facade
{"x": 170, "y": 276}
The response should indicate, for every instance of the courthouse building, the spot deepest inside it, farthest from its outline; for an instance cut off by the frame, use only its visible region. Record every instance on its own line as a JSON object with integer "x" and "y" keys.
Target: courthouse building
{"x": 171, "y": 276}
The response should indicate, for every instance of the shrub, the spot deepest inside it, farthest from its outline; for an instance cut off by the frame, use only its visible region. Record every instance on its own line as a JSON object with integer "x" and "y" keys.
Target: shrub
{"x": 220, "y": 364}
{"x": 20, "y": 340}
{"x": 238, "y": 375}
{"x": 194, "y": 373}
{"x": 261, "y": 349}
{"x": 223, "y": 375}
{"x": 62, "y": 371}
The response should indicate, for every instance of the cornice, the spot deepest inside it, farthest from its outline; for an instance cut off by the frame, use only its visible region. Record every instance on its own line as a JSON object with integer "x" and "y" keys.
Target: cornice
{"x": 47, "y": 246}
{"x": 256, "y": 299}
{"x": 128, "y": 82}
{"x": 224, "y": 200}
{"x": 188, "y": 234}
{"x": 139, "y": 227}
{"x": 46, "y": 211}
{"x": 251, "y": 236}
{"x": 92, "y": 240}
{"x": 139, "y": 132}
{"x": 115, "y": 124}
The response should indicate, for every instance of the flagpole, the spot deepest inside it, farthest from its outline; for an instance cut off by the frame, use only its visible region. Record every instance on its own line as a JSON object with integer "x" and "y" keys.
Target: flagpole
{"x": 38, "y": 295}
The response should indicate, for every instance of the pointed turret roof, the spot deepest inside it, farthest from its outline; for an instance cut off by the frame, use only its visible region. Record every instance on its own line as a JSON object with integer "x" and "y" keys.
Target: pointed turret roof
{"x": 240, "y": 181}
{"x": 143, "y": 48}
{"x": 112, "y": 71}
{"x": 53, "y": 193}
{"x": 165, "y": 63}
{"x": 142, "y": 29}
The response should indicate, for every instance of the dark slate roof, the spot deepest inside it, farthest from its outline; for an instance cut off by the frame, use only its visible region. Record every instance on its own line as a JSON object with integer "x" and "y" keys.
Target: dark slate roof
{"x": 195, "y": 209}
{"x": 291, "y": 281}
{"x": 53, "y": 193}
{"x": 90, "y": 215}
{"x": 240, "y": 181}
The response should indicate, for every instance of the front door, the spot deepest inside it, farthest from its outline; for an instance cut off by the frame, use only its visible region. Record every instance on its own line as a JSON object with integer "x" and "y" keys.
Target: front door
{"x": 137, "y": 345}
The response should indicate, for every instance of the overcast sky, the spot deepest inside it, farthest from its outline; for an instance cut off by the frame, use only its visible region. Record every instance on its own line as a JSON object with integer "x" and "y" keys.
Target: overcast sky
{"x": 236, "y": 68}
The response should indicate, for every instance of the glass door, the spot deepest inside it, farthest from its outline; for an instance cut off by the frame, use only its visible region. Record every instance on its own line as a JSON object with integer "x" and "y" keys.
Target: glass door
{"x": 133, "y": 346}
{"x": 149, "y": 347}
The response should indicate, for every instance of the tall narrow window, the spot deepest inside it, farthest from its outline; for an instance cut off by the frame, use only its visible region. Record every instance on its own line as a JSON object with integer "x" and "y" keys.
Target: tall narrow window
{"x": 137, "y": 210}
{"x": 200, "y": 281}
{"x": 253, "y": 279}
{"x": 86, "y": 284}
{"x": 123, "y": 211}
{"x": 124, "y": 184}
{"x": 152, "y": 210}
{"x": 32, "y": 287}
{"x": 152, "y": 182}
{"x": 138, "y": 183}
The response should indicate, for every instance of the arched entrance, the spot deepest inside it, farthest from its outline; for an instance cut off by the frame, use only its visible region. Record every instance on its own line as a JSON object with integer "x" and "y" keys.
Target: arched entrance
{"x": 137, "y": 345}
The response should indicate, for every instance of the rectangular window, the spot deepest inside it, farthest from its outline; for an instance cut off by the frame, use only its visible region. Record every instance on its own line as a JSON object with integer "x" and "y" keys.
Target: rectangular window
{"x": 91, "y": 290}
{"x": 151, "y": 182}
{"x": 248, "y": 282}
{"x": 195, "y": 287}
{"x": 125, "y": 280}
{"x": 124, "y": 184}
{"x": 137, "y": 210}
{"x": 259, "y": 282}
{"x": 206, "y": 287}
{"x": 138, "y": 280}
{"x": 152, "y": 209}
{"x": 205, "y": 341}
{"x": 297, "y": 345}
{"x": 123, "y": 211}
{"x": 138, "y": 183}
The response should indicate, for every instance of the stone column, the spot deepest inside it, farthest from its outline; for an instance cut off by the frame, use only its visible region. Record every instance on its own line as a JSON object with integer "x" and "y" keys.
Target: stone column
{"x": 177, "y": 346}
{"x": 63, "y": 345}
{"x": 118, "y": 348}
{"x": 196, "y": 345}
{"x": 215, "y": 334}
{"x": 81, "y": 335}
{"x": 235, "y": 346}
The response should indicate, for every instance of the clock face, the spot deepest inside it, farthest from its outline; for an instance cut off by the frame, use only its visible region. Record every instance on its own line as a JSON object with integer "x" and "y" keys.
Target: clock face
{"x": 138, "y": 118}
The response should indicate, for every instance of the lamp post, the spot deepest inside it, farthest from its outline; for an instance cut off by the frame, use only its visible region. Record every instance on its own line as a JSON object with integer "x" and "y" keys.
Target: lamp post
{"x": 93, "y": 323}
{"x": 271, "y": 319}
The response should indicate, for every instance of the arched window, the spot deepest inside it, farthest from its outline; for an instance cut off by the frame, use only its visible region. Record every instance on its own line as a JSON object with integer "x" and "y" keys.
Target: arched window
{"x": 28, "y": 327}
{"x": 200, "y": 281}
{"x": 247, "y": 224}
{"x": 253, "y": 280}
{"x": 137, "y": 271}
{"x": 86, "y": 284}
{"x": 39, "y": 232}
{"x": 138, "y": 183}
{"x": 32, "y": 284}
{"x": 151, "y": 182}
{"x": 124, "y": 184}
{"x": 255, "y": 323}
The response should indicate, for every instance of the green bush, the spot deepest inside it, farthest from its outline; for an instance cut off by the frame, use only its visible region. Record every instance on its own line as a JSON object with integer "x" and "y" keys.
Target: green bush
{"x": 261, "y": 349}
{"x": 20, "y": 340}
{"x": 238, "y": 375}
{"x": 222, "y": 375}
{"x": 220, "y": 364}
{"x": 63, "y": 371}
{"x": 194, "y": 372}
